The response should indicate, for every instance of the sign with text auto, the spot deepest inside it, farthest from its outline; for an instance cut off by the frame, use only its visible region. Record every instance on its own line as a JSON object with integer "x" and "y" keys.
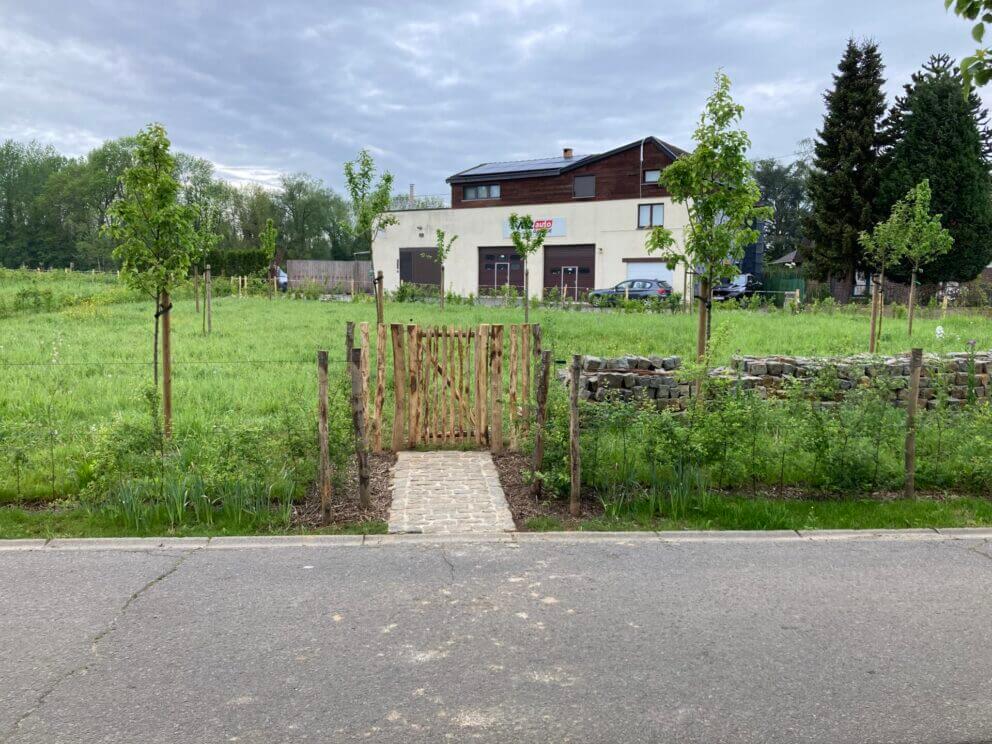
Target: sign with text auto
{"x": 554, "y": 225}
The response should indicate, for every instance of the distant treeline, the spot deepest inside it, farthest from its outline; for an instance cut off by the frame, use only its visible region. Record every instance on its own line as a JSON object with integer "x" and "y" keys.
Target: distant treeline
{"x": 52, "y": 209}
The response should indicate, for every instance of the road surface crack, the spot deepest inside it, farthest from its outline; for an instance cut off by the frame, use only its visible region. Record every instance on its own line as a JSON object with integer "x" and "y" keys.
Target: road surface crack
{"x": 84, "y": 668}
{"x": 451, "y": 566}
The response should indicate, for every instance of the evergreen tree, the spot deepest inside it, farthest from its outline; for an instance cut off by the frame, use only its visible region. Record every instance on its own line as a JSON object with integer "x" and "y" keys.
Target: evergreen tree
{"x": 843, "y": 183}
{"x": 935, "y": 133}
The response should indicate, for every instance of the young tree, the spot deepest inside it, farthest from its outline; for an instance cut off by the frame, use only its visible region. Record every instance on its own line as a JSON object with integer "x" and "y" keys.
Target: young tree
{"x": 843, "y": 183}
{"x": 937, "y": 134}
{"x": 267, "y": 240}
{"x": 926, "y": 238}
{"x": 441, "y": 256}
{"x": 526, "y": 241}
{"x": 716, "y": 184}
{"x": 883, "y": 248}
{"x": 155, "y": 237}
{"x": 370, "y": 199}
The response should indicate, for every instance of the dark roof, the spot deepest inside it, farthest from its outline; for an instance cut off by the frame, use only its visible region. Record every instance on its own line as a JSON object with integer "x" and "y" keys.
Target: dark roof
{"x": 549, "y": 166}
{"x": 790, "y": 257}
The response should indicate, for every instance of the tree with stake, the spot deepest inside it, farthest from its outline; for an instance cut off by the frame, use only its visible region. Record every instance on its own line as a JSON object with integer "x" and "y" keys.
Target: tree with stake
{"x": 526, "y": 241}
{"x": 883, "y": 248}
{"x": 267, "y": 242}
{"x": 716, "y": 184}
{"x": 926, "y": 238}
{"x": 155, "y": 236}
{"x": 370, "y": 199}
{"x": 441, "y": 256}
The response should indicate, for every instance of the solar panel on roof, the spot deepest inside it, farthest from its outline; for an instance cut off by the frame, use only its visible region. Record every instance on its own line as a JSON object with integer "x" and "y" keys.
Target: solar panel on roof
{"x": 521, "y": 166}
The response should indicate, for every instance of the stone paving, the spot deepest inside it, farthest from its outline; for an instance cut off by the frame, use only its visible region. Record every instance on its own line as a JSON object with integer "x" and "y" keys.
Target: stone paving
{"x": 447, "y": 492}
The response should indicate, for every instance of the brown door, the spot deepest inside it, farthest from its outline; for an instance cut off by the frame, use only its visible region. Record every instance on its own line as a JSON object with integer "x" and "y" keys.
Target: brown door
{"x": 571, "y": 269}
{"x": 418, "y": 267}
{"x": 499, "y": 267}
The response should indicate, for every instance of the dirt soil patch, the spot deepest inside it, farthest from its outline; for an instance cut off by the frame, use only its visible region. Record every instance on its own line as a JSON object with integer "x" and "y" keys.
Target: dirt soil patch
{"x": 345, "y": 508}
{"x": 511, "y": 467}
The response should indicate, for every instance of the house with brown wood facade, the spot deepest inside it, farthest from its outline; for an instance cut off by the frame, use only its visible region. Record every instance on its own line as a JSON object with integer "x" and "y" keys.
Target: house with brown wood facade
{"x": 598, "y": 210}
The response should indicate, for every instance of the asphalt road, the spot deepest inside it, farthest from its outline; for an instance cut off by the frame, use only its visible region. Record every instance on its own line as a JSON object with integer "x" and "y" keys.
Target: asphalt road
{"x": 541, "y": 640}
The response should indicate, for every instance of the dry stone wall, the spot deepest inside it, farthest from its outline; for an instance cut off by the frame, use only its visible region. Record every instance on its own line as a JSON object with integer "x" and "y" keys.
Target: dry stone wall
{"x": 954, "y": 378}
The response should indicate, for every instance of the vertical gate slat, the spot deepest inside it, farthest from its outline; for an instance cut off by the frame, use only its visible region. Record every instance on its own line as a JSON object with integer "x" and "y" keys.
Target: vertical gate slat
{"x": 482, "y": 385}
{"x": 413, "y": 351}
{"x": 364, "y": 367}
{"x": 526, "y": 409}
{"x": 514, "y": 363}
{"x": 496, "y": 373}
{"x": 380, "y": 383}
{"x": 399, "y": 388}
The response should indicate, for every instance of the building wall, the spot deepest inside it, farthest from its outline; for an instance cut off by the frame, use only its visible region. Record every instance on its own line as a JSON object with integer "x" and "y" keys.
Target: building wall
{"x": 609, "y": 225}
{"x": 617, "y": 177}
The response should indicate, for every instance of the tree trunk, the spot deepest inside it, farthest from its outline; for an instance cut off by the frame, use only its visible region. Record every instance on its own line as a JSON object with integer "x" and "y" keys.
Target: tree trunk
{"x": 874, "y": 311}
{"x": 158, "y": 308}
{"x": 442, "y": 288}
{"x": 881, "y": 303}
{"x": 912, "y": 300}
{"x": 704, "y": 311}
{"x": 526, "y": 293}
{"x": 166, "y": 366}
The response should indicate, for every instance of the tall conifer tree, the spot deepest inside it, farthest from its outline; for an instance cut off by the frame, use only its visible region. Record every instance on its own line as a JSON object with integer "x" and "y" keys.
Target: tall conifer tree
{"x": 935, "y": 133}
{"x": 843, "y": 184}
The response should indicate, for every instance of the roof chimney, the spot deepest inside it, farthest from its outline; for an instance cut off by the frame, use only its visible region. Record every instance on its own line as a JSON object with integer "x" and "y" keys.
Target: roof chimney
{"x": 567, "y": 153}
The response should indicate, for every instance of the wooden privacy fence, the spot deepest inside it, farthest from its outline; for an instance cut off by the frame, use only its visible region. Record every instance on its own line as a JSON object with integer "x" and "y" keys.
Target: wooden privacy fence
{"x": 451, "y": 385}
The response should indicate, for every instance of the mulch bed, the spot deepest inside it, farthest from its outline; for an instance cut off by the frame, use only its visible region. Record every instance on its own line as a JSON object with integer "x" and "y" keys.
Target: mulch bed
{"x": 511, "y": 467}
{"x": 345, "y": 508}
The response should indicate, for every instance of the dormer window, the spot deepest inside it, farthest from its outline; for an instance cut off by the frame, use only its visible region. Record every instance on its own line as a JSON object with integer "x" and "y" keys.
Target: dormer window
{"x": 485, "y": 191}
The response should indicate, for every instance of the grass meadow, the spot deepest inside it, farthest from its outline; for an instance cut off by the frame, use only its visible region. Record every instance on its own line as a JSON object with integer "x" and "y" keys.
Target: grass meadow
{"x": 76, "y": 374}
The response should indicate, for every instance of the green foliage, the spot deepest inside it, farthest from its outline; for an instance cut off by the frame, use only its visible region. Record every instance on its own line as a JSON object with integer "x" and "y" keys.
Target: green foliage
{"x": 939, "y": 136}
{"x": 844, "y": 180}
{"x": 233, "y": 262}
{"x": 976, "y": 68}
{"x": 370, "y": 199}
{"x": 783, "y": 188}
{"x": 526, "y": 240}
{"x": 716, "y": 184}
{"x": 267, "y": 241}
{"x": 443, "y": 244}
{"x": 926, "y": 239}
{"x": 154, "y": 232}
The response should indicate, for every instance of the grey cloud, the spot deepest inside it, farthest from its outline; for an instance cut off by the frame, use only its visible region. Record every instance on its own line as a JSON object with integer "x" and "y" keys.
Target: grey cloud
{"x": 433, "y": 87}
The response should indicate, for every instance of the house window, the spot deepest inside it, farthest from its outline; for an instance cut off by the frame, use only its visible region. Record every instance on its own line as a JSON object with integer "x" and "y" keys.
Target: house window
{"x": 652, "y": 176}
{"x": 485, "y": 191}
{"x": 650, "y": 215}
{"x": 584, "y": 187}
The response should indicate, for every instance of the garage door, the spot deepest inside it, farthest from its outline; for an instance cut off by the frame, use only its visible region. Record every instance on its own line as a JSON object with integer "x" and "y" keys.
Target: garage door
{"x": 499, "y": 267}
{"x": 649, "y": 270}
{"x": 571, "y": 269}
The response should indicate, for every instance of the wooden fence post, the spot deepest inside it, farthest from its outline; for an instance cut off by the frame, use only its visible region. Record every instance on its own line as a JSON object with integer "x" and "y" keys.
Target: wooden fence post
{"x": 380, "y": 309}
{"x": 349, "y": 341}
{"x": 874, "y": 314}
{"x": 915, "y": 366}
{"x": 544, "y": 375}
{"x": 575, "y": 469}
{"x": 514, "y": 365}
{"x": 207, "y": 301}
{"x": 365, "y": 367}
{"x": 196, "y": 288}
{"x": 324, "y": 469}
{"x": 358, "y": 420}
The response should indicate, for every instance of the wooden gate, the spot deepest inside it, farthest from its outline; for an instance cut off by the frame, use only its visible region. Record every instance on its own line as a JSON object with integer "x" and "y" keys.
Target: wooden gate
{"x": 452, "y": 386}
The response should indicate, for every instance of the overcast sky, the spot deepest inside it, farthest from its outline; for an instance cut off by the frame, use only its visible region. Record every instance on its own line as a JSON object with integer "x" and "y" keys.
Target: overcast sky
{"x": 432, "y": 88}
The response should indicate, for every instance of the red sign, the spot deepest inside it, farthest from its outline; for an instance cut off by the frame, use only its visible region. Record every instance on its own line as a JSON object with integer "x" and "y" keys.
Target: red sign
{"x": 544, "y": 224}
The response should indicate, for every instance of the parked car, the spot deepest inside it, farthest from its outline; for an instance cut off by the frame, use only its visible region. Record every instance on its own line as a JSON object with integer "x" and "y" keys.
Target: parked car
{"x": 742, "y": 285}
{"x": 634, "y": 289}
{"x": 282, "y": 280}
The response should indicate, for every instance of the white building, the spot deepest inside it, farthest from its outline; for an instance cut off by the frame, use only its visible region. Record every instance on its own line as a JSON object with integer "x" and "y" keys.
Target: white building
{"x": 599, "y": 210}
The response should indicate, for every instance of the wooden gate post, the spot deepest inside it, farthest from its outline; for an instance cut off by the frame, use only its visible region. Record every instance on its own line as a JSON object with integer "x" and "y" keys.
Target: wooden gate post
{"x": 380, "y": 384}
{"x": 324, "y": 466}
{"x": 915, "y": 366}
{"x": 358, "y": 420}
{"x": 544, "y": 375}
{"x": 497, "y": 385}
{"x": 575, "y": 469}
